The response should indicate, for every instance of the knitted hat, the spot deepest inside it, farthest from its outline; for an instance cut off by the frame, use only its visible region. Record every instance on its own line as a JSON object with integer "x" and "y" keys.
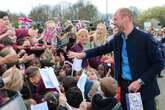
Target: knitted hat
{"x": 108, "y": 86}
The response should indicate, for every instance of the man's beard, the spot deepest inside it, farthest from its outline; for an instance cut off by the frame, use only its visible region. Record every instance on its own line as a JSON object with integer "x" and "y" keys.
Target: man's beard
{"x": 121, "y": 29}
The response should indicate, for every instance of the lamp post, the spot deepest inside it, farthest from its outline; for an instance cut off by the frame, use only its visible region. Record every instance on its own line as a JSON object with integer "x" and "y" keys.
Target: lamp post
{"x": 106, "y": 17}
{"x": 106, "y": 8}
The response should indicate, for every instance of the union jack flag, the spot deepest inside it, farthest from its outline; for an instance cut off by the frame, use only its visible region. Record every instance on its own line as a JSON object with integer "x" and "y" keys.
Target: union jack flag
{"x": 78, "y": 25}
{"x": 58, "y": 28}
{"x": 26, "y": 22}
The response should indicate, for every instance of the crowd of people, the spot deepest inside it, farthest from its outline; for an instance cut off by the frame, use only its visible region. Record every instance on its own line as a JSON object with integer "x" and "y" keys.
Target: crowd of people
{"x": 111, "y": 68}
{"x": 159, "y": 36}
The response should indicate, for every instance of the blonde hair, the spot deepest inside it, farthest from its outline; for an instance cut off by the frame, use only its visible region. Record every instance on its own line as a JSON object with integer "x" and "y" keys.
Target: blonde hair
{"x": 81, "y": 31}
{"x": 108, "y": 86}
{"x": 16, "y": 81}
{"x": 90, "y": 69}
{"x": 104, "y": 27}
{"x": 50, "y": 23}
{"x": 100, "y": 39}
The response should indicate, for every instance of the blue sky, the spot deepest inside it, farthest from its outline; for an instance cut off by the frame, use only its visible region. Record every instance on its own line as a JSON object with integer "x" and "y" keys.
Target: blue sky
{"x": 25, "y": 6}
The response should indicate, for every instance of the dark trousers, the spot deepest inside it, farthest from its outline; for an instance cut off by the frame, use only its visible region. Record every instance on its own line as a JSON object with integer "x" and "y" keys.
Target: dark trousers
{"x": 147, "y": 105}
{"x": 124, "y": 89}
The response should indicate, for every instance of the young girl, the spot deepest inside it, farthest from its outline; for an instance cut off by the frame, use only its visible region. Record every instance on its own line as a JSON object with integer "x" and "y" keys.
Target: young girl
{"x": 34, "y": 77}
{"x": 92, "y": 73}
{"x": 49, "y": 36}
{"x": 82, "y": 38}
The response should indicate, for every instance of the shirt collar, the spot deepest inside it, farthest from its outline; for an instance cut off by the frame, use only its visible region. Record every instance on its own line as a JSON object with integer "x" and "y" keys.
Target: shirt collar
{"x": 131, "y": 33}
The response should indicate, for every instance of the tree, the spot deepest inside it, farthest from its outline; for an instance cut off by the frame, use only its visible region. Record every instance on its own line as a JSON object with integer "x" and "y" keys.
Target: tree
{"x": 80, "y": 10}
{"x": 136, "y": 12}
{"x": 56, "y": 11}
{"x": 41, "y": 13}
{"x": 157, "y": 13}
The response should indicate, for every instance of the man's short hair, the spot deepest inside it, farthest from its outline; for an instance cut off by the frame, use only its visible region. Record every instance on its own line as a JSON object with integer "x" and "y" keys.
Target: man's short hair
{"x": 126, "y": 12}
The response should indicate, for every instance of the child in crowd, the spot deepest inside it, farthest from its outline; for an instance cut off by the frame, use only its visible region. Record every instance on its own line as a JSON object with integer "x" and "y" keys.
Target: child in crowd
{"x": 74, "y": 97}
{"x": 104, "y": 99}
{"x": 12, "y": 81}
{"x": 92, "y": 73}
{"x": 49, "y": 36}
{"x": 34, "y": 77}
{"x": 52, "y": 99}
{"x": 103, "y": 70}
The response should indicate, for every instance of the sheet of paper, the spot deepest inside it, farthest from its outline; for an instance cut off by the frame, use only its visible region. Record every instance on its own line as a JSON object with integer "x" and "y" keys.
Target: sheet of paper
{"x": 77, "y": 64}
{"x": 49, "y": 78}
{"x": 41, "y": 106}
{"x": 81, "y": 82}
{"x": 53, "y": 77}
{"x": 134, "y": 101}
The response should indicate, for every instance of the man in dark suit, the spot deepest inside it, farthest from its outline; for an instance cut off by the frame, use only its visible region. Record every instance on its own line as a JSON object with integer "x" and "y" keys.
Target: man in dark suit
{"x": 137, "y": 59}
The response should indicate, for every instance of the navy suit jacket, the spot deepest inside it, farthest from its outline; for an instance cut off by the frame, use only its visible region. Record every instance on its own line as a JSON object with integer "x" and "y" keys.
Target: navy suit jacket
{"x": 144, "y": 58}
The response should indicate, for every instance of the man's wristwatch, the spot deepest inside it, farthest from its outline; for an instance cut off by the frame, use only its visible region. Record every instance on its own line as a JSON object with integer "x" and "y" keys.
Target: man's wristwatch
{"x": 140, "y": 81}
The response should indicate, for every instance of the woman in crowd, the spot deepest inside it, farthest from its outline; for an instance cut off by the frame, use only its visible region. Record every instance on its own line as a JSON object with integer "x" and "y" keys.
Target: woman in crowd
{"x": 100, "y": 35}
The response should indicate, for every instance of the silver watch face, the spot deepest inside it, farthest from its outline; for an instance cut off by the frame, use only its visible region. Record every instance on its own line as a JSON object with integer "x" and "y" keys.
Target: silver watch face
{"x": 141, "y": 82}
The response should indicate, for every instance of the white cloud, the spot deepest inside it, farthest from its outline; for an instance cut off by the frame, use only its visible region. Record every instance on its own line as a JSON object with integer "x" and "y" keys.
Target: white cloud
{"x": 115, "y": 4}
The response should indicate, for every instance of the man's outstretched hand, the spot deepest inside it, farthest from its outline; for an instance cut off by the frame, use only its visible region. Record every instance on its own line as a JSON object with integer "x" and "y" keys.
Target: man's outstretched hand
{"x": 72, "y": 54}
